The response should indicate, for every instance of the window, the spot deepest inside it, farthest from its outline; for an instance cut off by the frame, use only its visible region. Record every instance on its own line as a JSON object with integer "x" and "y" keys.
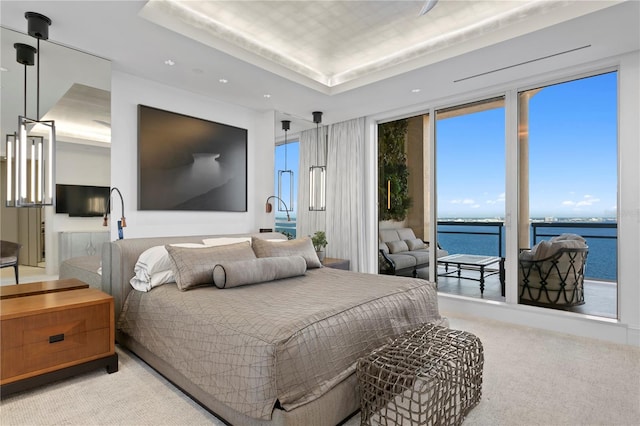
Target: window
{"x": 568, "y": 159}
{"x": 470, "y": 164}
{"x": 287, "y": 161}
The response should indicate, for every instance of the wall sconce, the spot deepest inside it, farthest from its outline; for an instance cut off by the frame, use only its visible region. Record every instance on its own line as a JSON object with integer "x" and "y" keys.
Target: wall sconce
{"x": 286, "y": 174}
{"x": 268, "y": 208}
{"x": 122, "y": 223}
{"x": 31, "y": 156}
{"x": 317, "y": 174}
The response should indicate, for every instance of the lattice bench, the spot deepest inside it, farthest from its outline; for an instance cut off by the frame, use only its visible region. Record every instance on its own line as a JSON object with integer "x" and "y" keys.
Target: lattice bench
{"x": 428, "y": 376}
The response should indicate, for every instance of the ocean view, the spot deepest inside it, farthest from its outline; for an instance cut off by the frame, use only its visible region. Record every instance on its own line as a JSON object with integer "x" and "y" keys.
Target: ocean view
{"x": 479, "y": 236}
{"x": 601, "y": 260}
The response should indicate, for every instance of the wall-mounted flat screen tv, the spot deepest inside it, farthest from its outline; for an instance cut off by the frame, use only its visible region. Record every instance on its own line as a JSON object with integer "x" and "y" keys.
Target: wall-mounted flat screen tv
{"x": 81, "y": 200}
{"x": 187, "y": 163}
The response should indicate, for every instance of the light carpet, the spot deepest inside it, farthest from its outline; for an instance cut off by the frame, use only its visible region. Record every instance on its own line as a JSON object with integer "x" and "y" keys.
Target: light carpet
{"x": 531, "y": 377}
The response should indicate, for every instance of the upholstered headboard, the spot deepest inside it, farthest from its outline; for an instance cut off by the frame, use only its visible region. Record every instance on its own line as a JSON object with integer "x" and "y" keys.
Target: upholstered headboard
{"x": 119, "y": 258}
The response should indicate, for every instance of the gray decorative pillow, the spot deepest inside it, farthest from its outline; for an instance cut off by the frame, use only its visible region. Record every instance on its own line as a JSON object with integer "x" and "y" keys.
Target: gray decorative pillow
{"x": 234, "y": 273}
{"x": 383, "y": 246}
{"x": 193, "y": 267}
{"x": 415, "y": 244}
{"x": 300, "y": 247}
{"x": 397, "y": 246}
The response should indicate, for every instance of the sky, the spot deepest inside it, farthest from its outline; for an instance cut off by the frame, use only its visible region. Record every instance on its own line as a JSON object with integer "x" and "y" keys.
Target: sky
{"x": 572, "y": 153}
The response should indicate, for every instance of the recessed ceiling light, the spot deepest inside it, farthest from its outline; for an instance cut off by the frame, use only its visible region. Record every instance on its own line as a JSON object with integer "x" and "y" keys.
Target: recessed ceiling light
{"x": 223, "y": 81}
{"x": 415, "y": 90}
{"x": 169, "y": 62}
{"x": 3, "y": 69}
{"x": 266, "y": 95}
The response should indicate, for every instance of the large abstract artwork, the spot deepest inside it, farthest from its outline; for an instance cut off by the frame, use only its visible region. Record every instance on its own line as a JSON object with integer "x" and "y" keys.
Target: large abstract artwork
{"x": 186, "y": 163}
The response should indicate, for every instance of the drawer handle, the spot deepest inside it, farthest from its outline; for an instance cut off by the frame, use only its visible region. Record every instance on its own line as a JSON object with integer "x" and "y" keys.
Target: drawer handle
{"x": 56, "y": 338}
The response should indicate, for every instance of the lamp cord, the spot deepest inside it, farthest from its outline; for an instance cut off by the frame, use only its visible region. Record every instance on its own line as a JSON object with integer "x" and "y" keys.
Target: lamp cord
{"x": 38, "y": 81}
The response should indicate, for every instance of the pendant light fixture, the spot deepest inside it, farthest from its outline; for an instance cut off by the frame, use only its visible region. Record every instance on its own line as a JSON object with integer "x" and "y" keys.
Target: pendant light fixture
{"x": 31, "y": 152}
{"x": 285, "y": 177}
{"x": 317, "y": 174}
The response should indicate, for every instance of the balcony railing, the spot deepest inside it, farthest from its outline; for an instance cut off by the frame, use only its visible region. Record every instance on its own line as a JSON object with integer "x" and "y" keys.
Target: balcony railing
{"x": 487, "y": 238}
{"x": 287, "y": 228}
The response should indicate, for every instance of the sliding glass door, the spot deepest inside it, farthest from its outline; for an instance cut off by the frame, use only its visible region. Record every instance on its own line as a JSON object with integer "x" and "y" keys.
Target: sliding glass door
{"x": 470, "y": 164}
{"x": 568, "y": 185}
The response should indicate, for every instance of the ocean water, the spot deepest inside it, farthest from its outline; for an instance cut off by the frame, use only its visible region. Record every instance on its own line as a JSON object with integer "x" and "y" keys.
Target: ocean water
{"x": 601, "y": 261}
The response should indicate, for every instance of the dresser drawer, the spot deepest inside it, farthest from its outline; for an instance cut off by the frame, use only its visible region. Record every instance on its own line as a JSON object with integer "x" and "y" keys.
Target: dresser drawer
{"x": 55, "y": 339}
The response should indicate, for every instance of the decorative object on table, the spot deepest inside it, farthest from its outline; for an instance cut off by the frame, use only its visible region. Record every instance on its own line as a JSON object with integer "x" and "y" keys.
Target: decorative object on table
{"x": 319, "y": 240}
{"x": 268, "y": 208}
{"x": 31, "y": 151}
{"x": 317, "y": 173}
{"x": 393, "y": 182}
{"x": 428, "y": 376}
{"x": 188, "y": 163}
{"x": 122, "y": 223}
{"x": 285, "y": 176}
{"x": 9, "y": 256}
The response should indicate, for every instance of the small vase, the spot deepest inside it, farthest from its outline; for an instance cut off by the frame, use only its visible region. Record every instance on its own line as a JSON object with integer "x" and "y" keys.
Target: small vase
{"x": 320, "y": 255}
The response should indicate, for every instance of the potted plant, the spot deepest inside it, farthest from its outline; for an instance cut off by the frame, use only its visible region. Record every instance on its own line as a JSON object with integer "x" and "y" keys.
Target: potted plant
{"x": 319, "y": 241}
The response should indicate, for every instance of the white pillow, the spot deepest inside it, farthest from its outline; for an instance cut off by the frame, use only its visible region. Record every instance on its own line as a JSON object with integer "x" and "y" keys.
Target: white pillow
{"x": 223, "y": 241}
{"x": 153, "y": 267}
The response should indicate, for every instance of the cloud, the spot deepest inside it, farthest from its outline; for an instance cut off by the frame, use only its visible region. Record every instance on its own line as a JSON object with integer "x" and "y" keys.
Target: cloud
{"x": 587, "y": 200}
{"x": 465, "y": 201}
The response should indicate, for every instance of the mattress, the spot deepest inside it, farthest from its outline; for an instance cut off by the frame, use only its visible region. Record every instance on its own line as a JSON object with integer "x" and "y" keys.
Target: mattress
{"x": 287, "y": 342}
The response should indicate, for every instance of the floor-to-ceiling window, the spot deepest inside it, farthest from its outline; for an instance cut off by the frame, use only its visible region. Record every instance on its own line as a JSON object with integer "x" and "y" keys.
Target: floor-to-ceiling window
{"x": 287, "y": 159}
{"x": 568, "y": 185}
{"x": 470, "y": 165}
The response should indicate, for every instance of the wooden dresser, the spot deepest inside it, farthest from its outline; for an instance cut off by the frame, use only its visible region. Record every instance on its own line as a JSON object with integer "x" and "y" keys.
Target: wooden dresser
{"x": 52, "y": 330}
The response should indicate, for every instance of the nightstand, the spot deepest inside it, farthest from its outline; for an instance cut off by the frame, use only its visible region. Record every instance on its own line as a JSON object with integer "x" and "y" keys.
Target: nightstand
{"x": 332, "y": 262}
{"x": 53, "y": 330}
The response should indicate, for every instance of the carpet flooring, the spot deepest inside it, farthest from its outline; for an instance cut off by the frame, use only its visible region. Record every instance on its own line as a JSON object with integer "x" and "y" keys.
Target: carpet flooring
{"x": 531, "y": 377}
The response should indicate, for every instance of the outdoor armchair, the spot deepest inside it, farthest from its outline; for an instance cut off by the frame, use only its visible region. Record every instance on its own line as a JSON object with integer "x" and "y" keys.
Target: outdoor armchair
{"x": 552, "y": 273}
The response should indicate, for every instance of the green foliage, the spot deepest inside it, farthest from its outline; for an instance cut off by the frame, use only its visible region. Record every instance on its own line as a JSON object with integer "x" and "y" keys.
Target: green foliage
{"x": 393, "y": 171}
{"x": 319, "y": 240}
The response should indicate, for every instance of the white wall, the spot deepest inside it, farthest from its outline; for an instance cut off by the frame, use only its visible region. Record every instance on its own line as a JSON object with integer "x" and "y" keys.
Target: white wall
{"x": 627, "y": 328}
{"x": 127, "y": 91}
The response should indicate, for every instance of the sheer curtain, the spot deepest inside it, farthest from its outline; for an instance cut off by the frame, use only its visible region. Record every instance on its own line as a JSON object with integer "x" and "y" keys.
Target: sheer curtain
{"x": 343, "y": 221}
{"x": 345, "y": 225}
{"x": 311, "y": 153}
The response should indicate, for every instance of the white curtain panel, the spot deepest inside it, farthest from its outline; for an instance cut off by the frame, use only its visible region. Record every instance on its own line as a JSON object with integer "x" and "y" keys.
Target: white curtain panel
{"x": 345, "y": 226}
{"x": 343, "y": 220}
{"x": 311, "y": 154}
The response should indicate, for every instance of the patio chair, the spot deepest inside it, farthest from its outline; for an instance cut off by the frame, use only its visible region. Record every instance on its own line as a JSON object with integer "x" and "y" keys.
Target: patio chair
{"x": 552, "y": 273}
{"x": 9, "y": 254}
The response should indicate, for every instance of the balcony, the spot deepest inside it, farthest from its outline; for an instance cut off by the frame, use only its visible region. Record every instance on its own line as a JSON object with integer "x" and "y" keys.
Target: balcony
{"x": 487, "y": 238}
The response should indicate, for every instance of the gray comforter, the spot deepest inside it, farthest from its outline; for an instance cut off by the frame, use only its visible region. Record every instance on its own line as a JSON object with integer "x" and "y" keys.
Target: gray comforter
{"x": 289, "y": 340}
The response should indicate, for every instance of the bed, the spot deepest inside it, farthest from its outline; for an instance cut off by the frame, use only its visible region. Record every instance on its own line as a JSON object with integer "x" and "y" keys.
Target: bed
{"x": 281, "y": 352}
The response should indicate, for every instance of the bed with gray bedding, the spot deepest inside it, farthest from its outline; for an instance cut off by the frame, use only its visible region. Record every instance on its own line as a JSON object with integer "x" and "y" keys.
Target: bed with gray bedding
{"x": 278, "y": 352}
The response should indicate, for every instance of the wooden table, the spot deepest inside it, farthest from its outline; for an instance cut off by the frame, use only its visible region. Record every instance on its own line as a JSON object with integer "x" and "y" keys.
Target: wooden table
{"x": 52, "y": 330}
{"x": 30, "y": 289}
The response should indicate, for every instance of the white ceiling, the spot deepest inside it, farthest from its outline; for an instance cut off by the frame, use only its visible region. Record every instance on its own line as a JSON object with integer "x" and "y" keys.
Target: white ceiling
{"x": 331, "y": 37}
{"x": 338, "y": 42}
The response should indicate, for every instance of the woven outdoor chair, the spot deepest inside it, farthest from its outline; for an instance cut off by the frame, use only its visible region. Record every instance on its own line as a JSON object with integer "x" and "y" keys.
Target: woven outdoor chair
{"x": 555, "y": 281}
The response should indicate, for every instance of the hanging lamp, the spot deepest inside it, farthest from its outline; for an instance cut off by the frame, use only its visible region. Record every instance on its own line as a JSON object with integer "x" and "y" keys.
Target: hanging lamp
{"x": 317, "y": 174}
{"x": 31, "y": 152}
{"x": 285, "y": 176}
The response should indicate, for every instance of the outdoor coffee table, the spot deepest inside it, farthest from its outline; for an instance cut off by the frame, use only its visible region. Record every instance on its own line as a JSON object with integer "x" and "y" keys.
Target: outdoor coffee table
{"x": 472, "y": 262}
